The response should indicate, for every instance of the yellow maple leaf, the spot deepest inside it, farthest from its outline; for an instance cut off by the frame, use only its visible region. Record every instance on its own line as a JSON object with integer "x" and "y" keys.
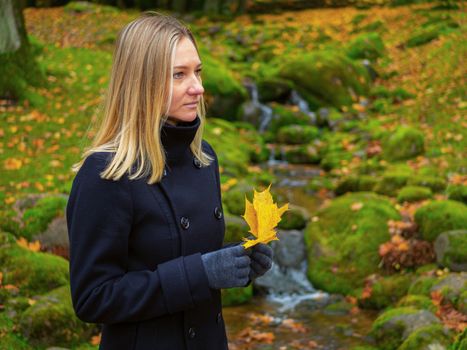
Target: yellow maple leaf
{"x": 262, "y": 216}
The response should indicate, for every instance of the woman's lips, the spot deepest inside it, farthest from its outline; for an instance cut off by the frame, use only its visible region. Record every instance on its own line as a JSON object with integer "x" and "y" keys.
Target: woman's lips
{"x": 191, "y": 105}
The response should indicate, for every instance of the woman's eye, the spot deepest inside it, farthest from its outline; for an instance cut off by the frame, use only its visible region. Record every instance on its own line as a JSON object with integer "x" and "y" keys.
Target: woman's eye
{"x": 178, "y": 75}
{"x": 198, "y": 71}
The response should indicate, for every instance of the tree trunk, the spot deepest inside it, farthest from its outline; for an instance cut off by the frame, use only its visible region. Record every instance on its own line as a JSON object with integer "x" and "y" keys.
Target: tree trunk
{"x": 18, "y": 67}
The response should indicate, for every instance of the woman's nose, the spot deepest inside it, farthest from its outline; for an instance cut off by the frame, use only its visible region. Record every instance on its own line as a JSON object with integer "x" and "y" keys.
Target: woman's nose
{"x": 196, "y": 87}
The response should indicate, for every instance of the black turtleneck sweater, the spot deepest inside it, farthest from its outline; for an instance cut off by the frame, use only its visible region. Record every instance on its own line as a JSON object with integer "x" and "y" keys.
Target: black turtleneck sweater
{"x": 135, "y": 251}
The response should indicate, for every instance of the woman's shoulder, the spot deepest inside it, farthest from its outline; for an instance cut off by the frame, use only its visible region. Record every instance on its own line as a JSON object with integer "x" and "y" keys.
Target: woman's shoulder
{"x": 94, "y": 164}
{"x": 207, "y": 148}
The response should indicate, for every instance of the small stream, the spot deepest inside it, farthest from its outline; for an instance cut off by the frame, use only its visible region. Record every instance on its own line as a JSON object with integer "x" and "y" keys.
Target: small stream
{"x": 288, "y": 312}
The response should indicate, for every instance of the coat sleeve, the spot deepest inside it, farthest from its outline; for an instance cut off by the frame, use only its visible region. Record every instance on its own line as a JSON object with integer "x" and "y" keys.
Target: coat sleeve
{"x": 99, "y": 219}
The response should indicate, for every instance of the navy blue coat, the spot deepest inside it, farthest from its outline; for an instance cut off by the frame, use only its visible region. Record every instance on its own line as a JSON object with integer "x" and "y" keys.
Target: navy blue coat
{"x": 135, "y": 251}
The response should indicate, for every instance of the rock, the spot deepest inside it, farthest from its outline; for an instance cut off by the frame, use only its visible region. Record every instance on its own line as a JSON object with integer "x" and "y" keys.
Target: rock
{"x": 434, "y": 183}
{"x": 286, "y": 115}
{"x": 32, "y": 272}
{"x": 422, "y": 285}
{"x": 234, "y": 198}
{"x": 451, "y": 250}
{"x": 391, "y": 183}
{"x": 343, "y": 240}
{"x": 235, "y": 228}
{"x": 326, "y": 78}
{"x": 295, "y": 218}
{"x": 440, "y": 216}
{"x": 51, "y": 320}
{"x": 304, "y": 154}
{"x": 297, "y": 134}
{"x": 394, "y": 326}
{"x": 421, "y": 302}
{"x": 360, "y": 183}
{"x": 55, "y": 238}
{"x": 428, "y": 338}
{"x": 413, "y": 194}
{"x": 9, "y": 338}
{"x": 339, "y": 308}
{"x": 291, "y": 250}
{"x": 274, "y": 89}
{"x": 251, "y": 113}
{"x": 451, "y": 286}
{"x": 366, "y": 45}
{"x": 403, "y": 143}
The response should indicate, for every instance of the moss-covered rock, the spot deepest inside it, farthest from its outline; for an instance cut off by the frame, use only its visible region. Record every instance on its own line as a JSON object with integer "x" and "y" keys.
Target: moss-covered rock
{"x": 303, "y": 154}
{"x": 274, "y": 89}
{"x": 394, "y": 326}
{"x": 391, "y": 182}
{"x": 236, "y": 296}
{"x": 32, "y": 272}
{"x": 222, "y": 89}
{"x": 440, "y": 216}
{"x": 355, "y": 184}
{"x": 457, "y": 193}
{"x": 385, "y": 291}
{"x": 425, "y": 34}
{"x": 404, "y": 143}
{"x": 451, "y": 250}
{"x": 9, "y": 338}
{"x": 413, "y": 194}
{"x": 338, "y": 308}
{"x": 37, "y": 218}
{"x": 334, "y": 159}
{"x": 286, "y": 115}
{"x": 343, "y": 242}
{"x": 52, "y": 320}
{"x": 436, "y": 184}
{"x": 234, "y": 198}
{"x": 422, "y": 285}
{"x": 295, "y": 218}
{"x": 416, "y": 301}
{"x": 451, "y": 286}
{"x": 326, "y": 78}
{"x": 429, "y": 337}
{"x": 297, "y": 134}
{"x": 366, "y": 45}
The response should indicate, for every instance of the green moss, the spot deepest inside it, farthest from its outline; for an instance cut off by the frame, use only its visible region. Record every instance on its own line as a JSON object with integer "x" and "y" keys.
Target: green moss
{"x": 52, "y": 320}
{"x": 37, "y": 218}
{"x": 294, "y": 219}
{"x": 343, "y": 243}
{"x": 235, "y": 228}
{"x": 9, "y": 338}
{"x": 297, "y": 134}
{"x": 355, "y": 184}
{"x": 425, "y": 34}
{"x": 413, "y": 194}
{"x": 457, "y": 193}
{"x": 32, "y": 272}
{"x": 285, "y": 115}
{"x": 274, "y": 89}
{"x": 386, "y": 291}
{"x": 339, "y": 308}
{"x": 404, "y": 143}
{"x": 418, "y": 302}
{"x": 440, "y": 216}
{"x": 391, "y": 182}
{"x": 234, "y": 198}
{"x": 236, "y": 296}
{"x": 436, "y": 184}
{"x": 460, "y": 342}
{"x": 422, "y": 285}
{"x": 461, "y": 304}
{"x": 389, "y": 338}
{"x": 324, "y": 78}
{"x": 427, "y": 337}
{"x": 334, "y": 159}
{"x": 367, "y": 45}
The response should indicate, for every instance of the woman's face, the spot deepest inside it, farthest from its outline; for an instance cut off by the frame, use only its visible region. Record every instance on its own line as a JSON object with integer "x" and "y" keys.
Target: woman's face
{"x": 187, "y": 86}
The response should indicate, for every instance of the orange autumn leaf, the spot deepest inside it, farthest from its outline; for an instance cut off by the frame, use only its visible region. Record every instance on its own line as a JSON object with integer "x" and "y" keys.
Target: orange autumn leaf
{"x": 33, "y": 246}
{"x": 262, "y": 216}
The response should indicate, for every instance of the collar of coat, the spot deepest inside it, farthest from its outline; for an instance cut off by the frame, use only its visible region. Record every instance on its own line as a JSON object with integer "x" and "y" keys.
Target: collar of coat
{"x": 177, "y": 139}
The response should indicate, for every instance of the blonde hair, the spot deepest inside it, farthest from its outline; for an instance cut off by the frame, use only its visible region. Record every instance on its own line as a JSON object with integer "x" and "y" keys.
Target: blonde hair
{"x": 138, "y": 99}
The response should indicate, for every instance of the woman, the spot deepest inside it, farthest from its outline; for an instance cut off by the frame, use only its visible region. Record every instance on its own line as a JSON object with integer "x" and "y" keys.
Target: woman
{"x": 145, "y": 216}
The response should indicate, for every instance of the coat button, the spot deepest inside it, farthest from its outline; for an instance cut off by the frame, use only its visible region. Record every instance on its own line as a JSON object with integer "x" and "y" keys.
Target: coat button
{"x": 219, "y": 317}
{"x": 197, "y": 163}
{"x": 184, "y": 222}
{"x": 218, "y": 213}
{"x": 191, "y": 333}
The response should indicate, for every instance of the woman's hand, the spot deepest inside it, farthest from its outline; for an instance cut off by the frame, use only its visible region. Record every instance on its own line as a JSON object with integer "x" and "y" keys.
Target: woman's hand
{"x": 261, "y": 260}
{"x": 227, "y": 267}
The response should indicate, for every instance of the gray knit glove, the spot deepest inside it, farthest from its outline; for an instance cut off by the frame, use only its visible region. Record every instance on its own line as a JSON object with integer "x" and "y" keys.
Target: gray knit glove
{"x": 227, "y": 268}
{"x": 261, "y": 260}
